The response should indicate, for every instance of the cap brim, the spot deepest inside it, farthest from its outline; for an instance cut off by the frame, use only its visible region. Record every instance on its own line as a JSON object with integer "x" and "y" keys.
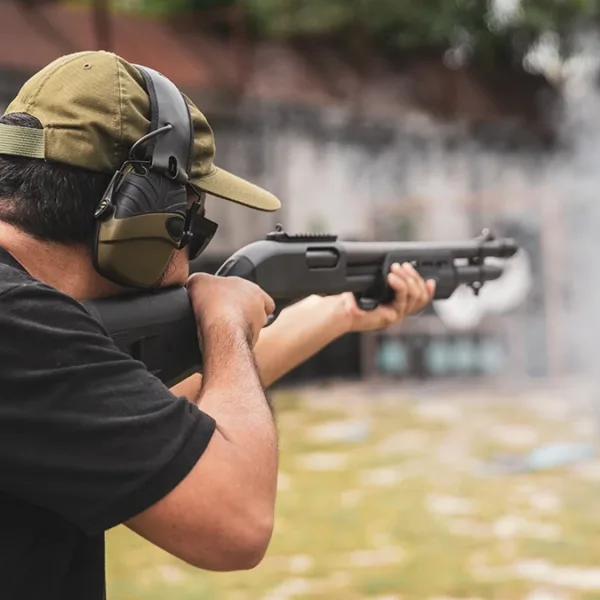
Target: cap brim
{"x": 231, "y": 187}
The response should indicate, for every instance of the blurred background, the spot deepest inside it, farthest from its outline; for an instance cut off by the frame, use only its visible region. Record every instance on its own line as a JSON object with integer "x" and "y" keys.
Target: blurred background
{"x": 455, "y": 455}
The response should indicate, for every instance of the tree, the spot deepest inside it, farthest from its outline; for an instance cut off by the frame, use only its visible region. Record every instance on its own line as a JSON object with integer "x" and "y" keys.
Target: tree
{"x": 492, "y": 31}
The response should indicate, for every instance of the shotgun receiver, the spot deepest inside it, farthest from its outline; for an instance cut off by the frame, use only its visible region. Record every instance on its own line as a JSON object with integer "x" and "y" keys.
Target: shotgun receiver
{"x": 159, "y": 329}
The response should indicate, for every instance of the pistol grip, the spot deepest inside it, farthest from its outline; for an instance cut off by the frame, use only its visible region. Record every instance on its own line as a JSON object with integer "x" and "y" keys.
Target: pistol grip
{"x": 366, "y": 303}
{"x": 380, "y": 292}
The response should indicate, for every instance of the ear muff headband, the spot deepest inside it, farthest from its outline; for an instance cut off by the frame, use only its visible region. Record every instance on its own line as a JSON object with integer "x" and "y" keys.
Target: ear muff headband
{"x": 171, "y": 152}
{"x": 141, "y": 219}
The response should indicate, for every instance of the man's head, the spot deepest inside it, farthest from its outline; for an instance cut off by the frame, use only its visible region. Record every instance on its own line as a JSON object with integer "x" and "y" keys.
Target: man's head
{"x": 71, "y": 128}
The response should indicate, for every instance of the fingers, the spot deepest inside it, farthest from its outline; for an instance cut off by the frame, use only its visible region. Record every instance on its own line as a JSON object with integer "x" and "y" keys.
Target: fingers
{"x": 423, "y": 295}
{"x": 399, "y": 283}
{"x": 430, "y": 285}
{"x": 412, "y": 292}
{"x": 269, "y": 304}
{"x": 416, "y": 287}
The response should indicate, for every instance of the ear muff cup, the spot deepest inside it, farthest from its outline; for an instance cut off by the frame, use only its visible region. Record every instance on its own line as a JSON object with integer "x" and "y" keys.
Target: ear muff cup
{"x": 134, "y": 242}
{"x": 135, "y": 251}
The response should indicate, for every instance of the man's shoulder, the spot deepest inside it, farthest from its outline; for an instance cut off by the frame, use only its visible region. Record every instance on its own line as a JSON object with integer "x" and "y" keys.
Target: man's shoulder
{"x": 12, "y": 277}
{"x": 25, "y": 301}
{"x": 16, "y": 284}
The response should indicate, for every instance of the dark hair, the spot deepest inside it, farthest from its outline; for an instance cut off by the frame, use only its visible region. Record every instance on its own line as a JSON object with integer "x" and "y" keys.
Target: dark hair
{"x": 49, "y": 201}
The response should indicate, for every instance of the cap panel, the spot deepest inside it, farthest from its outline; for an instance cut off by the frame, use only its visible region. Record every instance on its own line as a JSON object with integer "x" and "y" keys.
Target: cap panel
{"x": 203, "y": 152}
{"x": 102, "y": 115}
{"x": 30, "y": 90}
{"x": 134, "y": 109}
{"x": 93, "y": 108}
{"x": 81, "y": 104}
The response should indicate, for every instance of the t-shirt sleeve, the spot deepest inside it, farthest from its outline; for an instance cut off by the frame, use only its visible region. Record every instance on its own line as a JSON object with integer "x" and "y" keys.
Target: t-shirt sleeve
{"x": 85, "y": 431}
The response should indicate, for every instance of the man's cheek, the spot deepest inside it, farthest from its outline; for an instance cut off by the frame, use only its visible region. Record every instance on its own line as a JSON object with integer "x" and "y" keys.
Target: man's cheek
{"x": 177, "y": 271}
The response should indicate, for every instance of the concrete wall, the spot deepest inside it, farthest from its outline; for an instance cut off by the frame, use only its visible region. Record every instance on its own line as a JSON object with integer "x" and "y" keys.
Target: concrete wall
{"x": 360, "y": 179}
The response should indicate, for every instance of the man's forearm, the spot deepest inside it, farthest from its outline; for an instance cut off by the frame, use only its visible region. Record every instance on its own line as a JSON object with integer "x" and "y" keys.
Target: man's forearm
{"x": 231, "y": 384}
{"x": 231, "y": 393}
{"x": 299, "y": 332}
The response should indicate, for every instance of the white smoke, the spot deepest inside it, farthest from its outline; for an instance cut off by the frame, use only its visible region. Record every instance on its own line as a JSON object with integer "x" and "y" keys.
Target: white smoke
{"x": 464, "y": 311}
{"x": 580, "y": 187}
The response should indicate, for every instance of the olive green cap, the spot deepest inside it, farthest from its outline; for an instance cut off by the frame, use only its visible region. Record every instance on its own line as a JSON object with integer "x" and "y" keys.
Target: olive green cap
{"x": 93, "y": 107}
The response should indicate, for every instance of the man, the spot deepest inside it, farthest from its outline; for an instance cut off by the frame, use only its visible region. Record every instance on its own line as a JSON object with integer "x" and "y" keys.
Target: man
{"x": 88, "y": 438}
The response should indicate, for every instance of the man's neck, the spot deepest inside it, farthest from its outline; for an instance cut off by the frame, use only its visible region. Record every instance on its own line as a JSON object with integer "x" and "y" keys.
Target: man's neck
{"x": 69, "y": 269}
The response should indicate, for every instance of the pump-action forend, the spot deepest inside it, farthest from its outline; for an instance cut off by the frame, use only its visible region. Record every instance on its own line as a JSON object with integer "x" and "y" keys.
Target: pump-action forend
{"x": 159, "y": 329}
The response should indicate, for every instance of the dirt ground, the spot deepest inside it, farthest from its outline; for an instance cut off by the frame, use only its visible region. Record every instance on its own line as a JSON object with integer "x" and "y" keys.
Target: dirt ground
{"x": 384, "y": 495}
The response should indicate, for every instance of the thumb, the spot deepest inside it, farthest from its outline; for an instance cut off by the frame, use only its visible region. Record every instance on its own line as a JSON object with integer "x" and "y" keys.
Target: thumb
{"x": 387, "y": 315}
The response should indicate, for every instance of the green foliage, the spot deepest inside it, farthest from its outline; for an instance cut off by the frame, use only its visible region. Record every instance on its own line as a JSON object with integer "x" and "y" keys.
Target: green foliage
{"x": 470, "y": 25}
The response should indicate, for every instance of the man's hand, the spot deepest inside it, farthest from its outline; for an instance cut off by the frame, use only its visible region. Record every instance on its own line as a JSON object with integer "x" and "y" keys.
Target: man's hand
{"x": 219, "y": 301}
{"x": 413, "y": 294}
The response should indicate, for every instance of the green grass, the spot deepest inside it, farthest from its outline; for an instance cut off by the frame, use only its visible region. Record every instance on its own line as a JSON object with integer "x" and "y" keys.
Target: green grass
{"x": 368, "y": 527}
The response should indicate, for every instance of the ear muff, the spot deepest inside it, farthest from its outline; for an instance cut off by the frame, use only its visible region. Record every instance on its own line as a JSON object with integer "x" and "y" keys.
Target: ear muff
{"x": 134, "y": 241}
{"x": 143, "y": 216}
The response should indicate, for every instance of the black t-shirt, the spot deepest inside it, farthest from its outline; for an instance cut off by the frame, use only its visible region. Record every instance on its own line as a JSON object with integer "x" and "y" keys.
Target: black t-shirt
{"x": 88, "y": 439}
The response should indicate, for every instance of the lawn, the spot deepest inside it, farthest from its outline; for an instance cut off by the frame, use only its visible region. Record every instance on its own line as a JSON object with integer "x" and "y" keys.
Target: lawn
{"x": 381, "y": 497}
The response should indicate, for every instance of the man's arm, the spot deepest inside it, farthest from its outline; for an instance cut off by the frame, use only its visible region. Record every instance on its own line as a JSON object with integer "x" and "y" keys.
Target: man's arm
{"x": 208, "y": 520}
{"x": 201, "y": 487}
{"x": 220, "y": 517}
{"x": 299, "y": 333}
